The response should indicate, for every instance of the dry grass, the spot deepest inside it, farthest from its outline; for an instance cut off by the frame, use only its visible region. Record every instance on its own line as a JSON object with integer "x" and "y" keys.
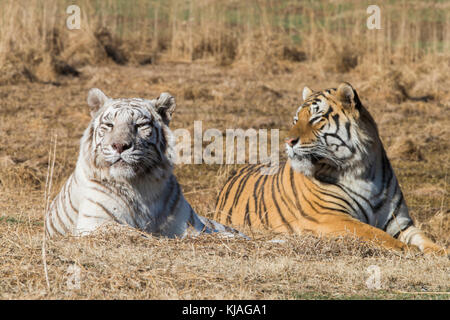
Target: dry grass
{"x": 125, "y": 265}
{"x": 211, "y": 268}
{"x": 242, "y": 74}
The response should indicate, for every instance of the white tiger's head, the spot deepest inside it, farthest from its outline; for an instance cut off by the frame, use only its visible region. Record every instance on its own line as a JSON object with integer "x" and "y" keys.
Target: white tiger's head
{"x": 128, "y": 138}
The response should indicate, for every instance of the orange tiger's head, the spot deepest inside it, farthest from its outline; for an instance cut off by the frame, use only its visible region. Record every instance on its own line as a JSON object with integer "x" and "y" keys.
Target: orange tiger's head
{"x": 331, "y": 129}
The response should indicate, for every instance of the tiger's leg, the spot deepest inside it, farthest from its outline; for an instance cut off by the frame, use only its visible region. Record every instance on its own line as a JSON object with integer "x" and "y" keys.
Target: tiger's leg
{"x": 210, "y": 226}
{"x": 415, "y": 236}
{"x": 197, "y": 224}
{"x": 90, "y": 218}
{"x": 339, "y": 224}
{"x": 86, "y": 224}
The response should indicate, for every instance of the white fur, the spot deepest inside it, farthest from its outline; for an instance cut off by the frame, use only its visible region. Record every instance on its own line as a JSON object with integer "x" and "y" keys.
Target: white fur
{"x": 135, "y": 186}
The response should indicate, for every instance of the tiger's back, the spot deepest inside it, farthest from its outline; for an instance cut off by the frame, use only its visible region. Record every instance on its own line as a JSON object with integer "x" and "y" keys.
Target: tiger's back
{"x": 251, "y": 198}
{"x": 288, "y": 201}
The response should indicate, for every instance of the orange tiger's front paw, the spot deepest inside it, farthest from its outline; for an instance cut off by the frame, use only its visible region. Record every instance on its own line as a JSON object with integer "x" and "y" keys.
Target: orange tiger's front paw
{"x": 436, "y": 250}
{"x": 412, "y": 249}
{"x": 404, "y": 248}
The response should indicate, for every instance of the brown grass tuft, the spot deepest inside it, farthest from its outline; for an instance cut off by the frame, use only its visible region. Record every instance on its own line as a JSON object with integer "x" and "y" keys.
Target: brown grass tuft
{"x": 405, "y": 149}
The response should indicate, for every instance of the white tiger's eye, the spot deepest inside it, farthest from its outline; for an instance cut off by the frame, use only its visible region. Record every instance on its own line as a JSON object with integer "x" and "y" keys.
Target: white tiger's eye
{"x": 143, "y": 125}
{"x": 107, "y": 125}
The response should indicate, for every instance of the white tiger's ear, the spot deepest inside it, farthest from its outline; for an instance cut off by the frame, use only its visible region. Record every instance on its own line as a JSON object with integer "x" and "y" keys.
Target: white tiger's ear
{"x": 165, "y": 106}
{"x": 96, "y": 99}
{"x": 306, "y": 93}
{"x": 345, "y": 94}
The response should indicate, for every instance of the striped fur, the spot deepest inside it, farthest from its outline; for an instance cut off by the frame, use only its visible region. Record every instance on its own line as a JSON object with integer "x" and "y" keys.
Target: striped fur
{"x": 124, "y": 174}
{"x": 337, "y": 179}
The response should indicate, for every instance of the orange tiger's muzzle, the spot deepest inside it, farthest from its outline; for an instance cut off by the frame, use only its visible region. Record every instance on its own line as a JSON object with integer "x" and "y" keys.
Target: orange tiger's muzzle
{"x": 300, "y": 132}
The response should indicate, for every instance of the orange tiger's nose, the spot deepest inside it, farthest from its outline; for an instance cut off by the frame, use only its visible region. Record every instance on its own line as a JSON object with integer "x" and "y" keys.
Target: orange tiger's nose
{"x": 292, "y": 141}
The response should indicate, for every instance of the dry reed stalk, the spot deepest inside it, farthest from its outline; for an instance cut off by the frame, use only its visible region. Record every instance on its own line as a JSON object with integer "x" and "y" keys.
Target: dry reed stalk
{"x": 47, "y": 194}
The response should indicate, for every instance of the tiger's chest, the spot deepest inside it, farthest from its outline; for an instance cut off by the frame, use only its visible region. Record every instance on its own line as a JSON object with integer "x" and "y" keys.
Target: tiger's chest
{"x": 123, "y": 205}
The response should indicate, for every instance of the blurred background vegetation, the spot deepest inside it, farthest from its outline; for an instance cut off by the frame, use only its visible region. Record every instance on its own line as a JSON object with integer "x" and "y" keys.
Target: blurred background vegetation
{"x": 34, "y": 36}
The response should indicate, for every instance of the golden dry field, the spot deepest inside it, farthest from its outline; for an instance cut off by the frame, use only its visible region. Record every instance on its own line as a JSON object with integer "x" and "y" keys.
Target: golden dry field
{"x": 229, "y": 64}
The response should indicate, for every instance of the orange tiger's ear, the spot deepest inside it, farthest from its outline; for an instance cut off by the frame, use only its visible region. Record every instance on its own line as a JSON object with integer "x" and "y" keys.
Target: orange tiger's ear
{"x": 346, "y": 94}
{"x": 306, "y": 93}
{"x": 96, "y": 99}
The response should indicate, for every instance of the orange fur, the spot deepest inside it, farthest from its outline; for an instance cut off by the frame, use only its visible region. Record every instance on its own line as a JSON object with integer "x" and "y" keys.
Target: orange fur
{"x": 289, "y": 202}
{"x": 355, "y": 192}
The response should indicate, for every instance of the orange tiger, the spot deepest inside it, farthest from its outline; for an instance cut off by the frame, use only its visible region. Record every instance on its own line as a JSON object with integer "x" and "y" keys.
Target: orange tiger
{"x": 337, "y": 179}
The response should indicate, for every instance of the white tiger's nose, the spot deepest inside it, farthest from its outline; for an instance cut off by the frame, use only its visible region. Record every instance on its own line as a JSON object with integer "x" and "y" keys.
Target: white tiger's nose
{"x": 121, "y": 147}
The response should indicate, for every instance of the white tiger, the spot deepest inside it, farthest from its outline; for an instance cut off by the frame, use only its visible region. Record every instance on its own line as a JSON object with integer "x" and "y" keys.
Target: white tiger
{"x": 124, "y": 174}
